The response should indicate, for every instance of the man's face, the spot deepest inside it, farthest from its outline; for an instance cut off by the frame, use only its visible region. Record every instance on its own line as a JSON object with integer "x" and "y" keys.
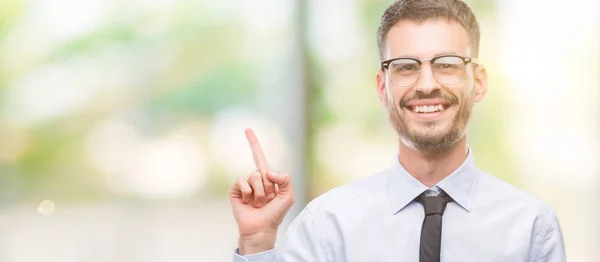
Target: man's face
{"x": 430, "y": 131}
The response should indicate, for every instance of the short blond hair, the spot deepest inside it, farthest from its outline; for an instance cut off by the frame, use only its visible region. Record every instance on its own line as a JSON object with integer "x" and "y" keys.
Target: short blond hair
{"x": 421, "y": 10}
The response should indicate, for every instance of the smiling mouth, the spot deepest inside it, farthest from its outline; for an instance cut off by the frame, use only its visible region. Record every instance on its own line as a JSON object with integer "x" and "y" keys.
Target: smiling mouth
{"x": 427, "y": 108}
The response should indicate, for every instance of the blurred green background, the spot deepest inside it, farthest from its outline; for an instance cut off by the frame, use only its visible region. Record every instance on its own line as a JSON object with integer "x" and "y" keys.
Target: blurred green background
{"x": 121, "y": 122}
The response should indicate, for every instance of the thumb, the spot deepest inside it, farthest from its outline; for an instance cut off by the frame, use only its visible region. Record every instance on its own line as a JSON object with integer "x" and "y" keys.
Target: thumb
{"x": 283, "y": 180}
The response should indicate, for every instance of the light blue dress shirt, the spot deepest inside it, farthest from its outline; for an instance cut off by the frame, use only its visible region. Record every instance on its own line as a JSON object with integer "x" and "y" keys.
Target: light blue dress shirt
{"x": 376, "y": 219}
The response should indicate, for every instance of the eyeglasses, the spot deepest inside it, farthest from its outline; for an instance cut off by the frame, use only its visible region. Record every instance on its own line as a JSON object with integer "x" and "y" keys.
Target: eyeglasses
{"x": 447, "y": 69}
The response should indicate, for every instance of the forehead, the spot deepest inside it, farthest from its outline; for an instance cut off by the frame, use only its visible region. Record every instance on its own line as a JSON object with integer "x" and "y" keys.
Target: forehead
{"x": 427, "y": 39}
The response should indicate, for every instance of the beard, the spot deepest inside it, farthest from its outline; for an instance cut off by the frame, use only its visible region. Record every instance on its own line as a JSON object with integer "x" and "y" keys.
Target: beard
{"x": 431, "y": 137}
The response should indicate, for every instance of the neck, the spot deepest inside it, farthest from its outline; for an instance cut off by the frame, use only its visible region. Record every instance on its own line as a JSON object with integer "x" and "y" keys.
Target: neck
{"x": 430, "y": 169}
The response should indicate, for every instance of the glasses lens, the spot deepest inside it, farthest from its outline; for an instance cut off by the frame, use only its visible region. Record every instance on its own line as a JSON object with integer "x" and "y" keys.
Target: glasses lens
{"x": 403, "y": 72}
{"x": 448, "y": 70}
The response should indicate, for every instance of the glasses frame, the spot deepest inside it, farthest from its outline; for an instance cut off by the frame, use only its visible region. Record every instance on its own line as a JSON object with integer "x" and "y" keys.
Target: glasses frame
{"x": 385, "y": 67}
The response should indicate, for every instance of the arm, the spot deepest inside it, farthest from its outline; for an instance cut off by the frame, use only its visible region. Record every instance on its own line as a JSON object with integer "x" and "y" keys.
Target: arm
{"x": 551, "y": 247}
{"x": 302, "y": 244}
{"x": 259, "y": 205}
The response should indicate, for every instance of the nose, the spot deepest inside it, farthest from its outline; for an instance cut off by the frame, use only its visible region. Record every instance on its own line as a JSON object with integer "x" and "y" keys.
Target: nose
{"x": 427, "y": 82}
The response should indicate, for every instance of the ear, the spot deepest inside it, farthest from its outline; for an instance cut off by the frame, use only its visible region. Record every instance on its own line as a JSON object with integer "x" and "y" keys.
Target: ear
{"x": 380, "y": 80}
{"x": 481, "y": 83}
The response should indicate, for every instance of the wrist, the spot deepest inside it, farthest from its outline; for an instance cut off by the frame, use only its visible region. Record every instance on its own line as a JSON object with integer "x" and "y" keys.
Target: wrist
{"x": 256, "y": 243}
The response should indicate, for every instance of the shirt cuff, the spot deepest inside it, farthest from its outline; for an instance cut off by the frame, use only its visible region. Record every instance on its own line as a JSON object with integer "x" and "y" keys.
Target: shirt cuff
{"x": 266, "y": 256}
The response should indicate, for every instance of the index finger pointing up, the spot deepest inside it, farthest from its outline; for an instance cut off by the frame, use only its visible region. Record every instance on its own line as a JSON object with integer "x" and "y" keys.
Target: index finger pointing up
{"x": 257, "y": 153}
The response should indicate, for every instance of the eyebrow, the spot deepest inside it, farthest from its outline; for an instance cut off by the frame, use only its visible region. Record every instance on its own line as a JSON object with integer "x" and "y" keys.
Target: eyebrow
{"x": 436, "y": 55}
{"x": 446, "y": 53}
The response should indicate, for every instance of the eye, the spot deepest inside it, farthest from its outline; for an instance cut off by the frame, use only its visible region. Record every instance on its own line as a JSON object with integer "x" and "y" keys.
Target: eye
{"x": 447, "y": 66}
{"x": 448, "y": 63}
{"x": 404, "y": 67}
{"x": 409, "y": 67}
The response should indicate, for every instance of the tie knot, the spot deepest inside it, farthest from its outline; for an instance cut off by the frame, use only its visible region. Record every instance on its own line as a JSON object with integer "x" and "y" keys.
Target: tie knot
{"x": 434, "y": 204}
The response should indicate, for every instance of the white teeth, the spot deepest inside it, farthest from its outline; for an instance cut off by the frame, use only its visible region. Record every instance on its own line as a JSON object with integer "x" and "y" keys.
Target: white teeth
{"x": 427, "y": 109}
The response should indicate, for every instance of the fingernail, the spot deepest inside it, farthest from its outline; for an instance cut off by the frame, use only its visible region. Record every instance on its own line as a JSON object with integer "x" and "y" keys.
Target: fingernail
{"x": 271, "y": 195}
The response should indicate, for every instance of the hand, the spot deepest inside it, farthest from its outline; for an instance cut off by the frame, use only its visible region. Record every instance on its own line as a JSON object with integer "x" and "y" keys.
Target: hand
{"x": 260, "y": 202}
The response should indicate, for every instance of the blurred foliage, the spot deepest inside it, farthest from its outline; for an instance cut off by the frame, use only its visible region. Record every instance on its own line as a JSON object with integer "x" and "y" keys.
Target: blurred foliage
{"x": 210, "y": 92}
{"x": 9, "y": 11}
{"x": 203, "y": 77}
{"x": 206, "y": 73}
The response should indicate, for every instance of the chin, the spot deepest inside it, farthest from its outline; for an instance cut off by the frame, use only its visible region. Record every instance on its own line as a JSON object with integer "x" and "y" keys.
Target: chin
{"x": 434, "y": 139}
{"x": 431, "y": 129}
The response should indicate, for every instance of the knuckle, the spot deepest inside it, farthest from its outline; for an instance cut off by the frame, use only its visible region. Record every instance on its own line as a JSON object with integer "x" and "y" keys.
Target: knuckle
{"x": 257, "y": 183}
{"x": 240, "y": 181}
{"x": 255, "y": 176}
{"x": 267, "y": 181}
{"x": 246, "y": 190}
{"x": 259, "y": 195}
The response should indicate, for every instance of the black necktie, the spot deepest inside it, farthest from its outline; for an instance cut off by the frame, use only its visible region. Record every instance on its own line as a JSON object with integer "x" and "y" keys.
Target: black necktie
{"x": 431, "y": 231}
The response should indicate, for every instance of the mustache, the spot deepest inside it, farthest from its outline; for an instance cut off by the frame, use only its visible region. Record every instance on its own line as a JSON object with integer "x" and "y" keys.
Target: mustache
{"x": 436, "y": 94}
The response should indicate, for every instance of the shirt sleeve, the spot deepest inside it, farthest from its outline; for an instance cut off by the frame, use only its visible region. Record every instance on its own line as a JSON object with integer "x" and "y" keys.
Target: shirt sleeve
{"x": 551, "y": 247}
{"x": 302, "y": 244}
{"x": 266, "y": 256}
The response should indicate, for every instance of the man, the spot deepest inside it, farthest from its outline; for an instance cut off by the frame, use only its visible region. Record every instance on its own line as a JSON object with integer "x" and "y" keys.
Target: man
{"x": 433, "y": 203}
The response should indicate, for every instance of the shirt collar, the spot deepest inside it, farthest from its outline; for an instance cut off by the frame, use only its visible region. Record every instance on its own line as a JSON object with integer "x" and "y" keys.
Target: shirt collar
{"x": 460, "y": 185}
